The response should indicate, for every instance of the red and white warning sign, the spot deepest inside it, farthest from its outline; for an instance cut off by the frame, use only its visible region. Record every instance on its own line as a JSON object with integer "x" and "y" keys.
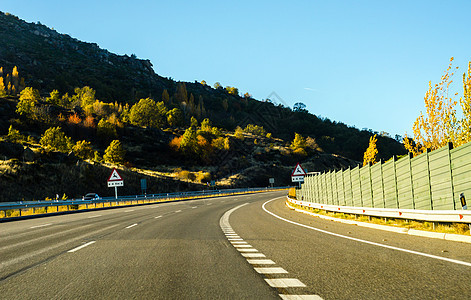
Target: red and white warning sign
{"x": 115, "y": 179}
{"x": 298, "y": 174}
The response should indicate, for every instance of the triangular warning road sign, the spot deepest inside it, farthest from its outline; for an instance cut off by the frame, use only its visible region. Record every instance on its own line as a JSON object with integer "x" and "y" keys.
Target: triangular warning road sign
{"x": 298, "y": 171}
{"x": 115, "y": 176}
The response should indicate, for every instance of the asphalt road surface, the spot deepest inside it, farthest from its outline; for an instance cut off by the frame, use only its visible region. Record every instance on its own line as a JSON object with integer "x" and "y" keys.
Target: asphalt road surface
{"x": 238, "y": 247}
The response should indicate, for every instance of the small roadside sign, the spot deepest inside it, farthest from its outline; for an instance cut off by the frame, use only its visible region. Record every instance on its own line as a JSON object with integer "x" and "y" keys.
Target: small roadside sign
{"x": 298, "y": 174}
{"x": 115, "y": 180}
{"x": 115, "y": 176}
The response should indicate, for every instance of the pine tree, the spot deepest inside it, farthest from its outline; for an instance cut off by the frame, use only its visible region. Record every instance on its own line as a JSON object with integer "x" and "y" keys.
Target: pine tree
{"x": 148, "y": 113}
{"x": 181, "y": 94}
{"x": 371, "y": 153}
{"x": 55, "y": 139}
{"x": 83, "y": 150}
{"x": 189, "y": 142}
{"x": 114, "y": 153}
{"x": 165, "y": 97}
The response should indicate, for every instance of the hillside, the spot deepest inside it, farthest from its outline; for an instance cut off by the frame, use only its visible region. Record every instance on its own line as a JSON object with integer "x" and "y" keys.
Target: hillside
{"x": 47, "y": 61}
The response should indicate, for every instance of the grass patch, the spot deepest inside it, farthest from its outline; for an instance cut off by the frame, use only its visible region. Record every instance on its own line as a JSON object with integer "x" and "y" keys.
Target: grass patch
{"x": 453, "y": 228}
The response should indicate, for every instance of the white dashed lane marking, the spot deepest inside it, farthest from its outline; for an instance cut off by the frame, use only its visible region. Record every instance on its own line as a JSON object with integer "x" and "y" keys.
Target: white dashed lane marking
{"x": 38, "y": 226}
{"x": 274, "y": 270}
{"x": 131, "y": 226}
{"x": 261, "y": 264}
{"x": 80, "y": 247}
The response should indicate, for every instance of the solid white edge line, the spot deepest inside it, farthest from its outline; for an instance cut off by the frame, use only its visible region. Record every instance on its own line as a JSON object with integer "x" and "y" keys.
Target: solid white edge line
{"x": 365, "y": 241}
{"x": 130, "y": 226}
{"x": 80, "y": 247}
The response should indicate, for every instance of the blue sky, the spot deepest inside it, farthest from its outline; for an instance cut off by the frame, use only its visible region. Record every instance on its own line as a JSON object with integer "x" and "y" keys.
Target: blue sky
{"x": 364, "y": 63}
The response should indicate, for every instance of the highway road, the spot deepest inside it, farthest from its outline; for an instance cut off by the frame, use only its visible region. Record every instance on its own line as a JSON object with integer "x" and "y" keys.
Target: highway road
{"x": 238, "y": 247}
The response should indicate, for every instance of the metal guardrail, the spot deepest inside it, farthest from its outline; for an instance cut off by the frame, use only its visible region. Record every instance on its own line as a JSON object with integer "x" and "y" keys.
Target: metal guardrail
{"x": 457, "y": 216}
{"x": 8, "y": 207}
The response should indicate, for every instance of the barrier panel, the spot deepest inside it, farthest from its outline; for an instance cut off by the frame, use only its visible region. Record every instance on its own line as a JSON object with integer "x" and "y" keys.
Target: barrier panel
{"x": 431, "y": 181}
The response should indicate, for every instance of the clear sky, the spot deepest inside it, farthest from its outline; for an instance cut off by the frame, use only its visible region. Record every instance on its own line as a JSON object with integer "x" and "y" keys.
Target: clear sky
{"x": 364, "y": 63}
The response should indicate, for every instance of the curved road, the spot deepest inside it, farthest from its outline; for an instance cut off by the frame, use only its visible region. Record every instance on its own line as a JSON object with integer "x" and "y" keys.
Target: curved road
{"x": 222, "y": 248}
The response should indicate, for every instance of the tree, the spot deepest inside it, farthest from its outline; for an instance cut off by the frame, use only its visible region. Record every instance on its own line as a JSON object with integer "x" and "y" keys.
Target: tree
{"x": 217, "y": 85}
{"x": 14, "y": 135}
{"x": 193, "y": 122}
{"x": 106, "y": 129}
{"x": 232, "y": 90}
{"x": 148, "y": 113}
{"x": 54, "y": 97}
{"x": 299, "y": 107}
{"x": 55, "y": 139}
{"x": 15, "y": 79}
{"x": 83, "y": 150}
{"x": 3, "y": 91}
{"x": 181, "y": 95}
{"x": 114, "y": 153}
{"x": 85, "y": 96}
{"x": 439, "y": 125}
{"x": 29, "y": 98}
{"x": 189, "y": 142}
{"x": 175, "y": 117}
{"x": 206, "y": 125}
{"x": 165, "y": 97}
{"x": 465, "y": 103}
{"x": 299, "y": 142}
{"x": 371, "y": 153}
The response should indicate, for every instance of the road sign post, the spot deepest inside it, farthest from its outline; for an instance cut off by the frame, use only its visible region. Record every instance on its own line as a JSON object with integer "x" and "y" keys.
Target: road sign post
{"x": 115, "y": 180}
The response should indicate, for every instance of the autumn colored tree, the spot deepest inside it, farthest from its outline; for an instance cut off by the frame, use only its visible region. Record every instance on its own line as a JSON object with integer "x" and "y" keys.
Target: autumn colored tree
{"x": 465, "y": 103}
{"x": 14, "y": 135}
{"x": 29, "y": 98}
{"x": 84, "y": 96}
{"x": 439, "y": 125}
{"x": 54, "y": 97}
{"x": 15, "y": 80}
{"x": 193, "y": 123}
{"x": 74, "y": 119}
{"x": 3, "y": 91}
{"x": 114, "y": 153}
{"x": 298, "y": 145}
{"x": 55, "y": 139}
{"x": 206, "y": 125}
{"x": 371, "y": 153}
{"x": 217, "y": 85}
{"x": 232, "y": 90}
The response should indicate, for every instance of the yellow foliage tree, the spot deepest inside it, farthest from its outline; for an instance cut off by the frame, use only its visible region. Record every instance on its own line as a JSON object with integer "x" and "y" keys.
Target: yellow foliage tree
{"x": 465, "y": 103}
{"x": 439, "y": 126}
{"x": 371, "y": 153}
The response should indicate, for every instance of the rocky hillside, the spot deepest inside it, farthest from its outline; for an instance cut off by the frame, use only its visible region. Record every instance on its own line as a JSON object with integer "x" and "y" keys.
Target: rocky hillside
{"x": 48, "y": 60}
